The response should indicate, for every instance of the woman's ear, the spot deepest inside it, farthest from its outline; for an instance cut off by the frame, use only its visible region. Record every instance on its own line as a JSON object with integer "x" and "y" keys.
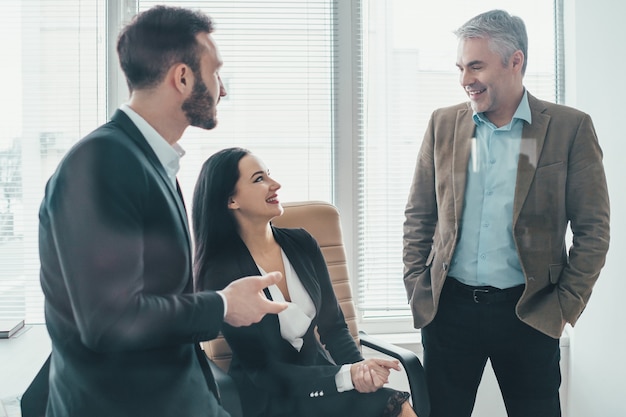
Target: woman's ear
{"x": 232, "y": 204}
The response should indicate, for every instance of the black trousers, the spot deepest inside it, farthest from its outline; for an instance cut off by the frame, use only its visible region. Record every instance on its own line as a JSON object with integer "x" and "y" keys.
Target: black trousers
{"x": 473, "y": 326}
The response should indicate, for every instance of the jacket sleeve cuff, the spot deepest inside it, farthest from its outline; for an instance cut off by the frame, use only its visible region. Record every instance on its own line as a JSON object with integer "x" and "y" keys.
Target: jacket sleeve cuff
{"x": 343, "y": 379}
{"x": 225, "y": 302}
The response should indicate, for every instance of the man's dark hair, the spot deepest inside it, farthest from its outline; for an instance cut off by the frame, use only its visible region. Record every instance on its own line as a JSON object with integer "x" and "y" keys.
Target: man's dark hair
{"x": 158, "y": 38}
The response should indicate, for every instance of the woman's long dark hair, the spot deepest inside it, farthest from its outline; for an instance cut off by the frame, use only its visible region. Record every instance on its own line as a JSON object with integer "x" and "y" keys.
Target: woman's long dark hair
{"x": 214, "y": 226}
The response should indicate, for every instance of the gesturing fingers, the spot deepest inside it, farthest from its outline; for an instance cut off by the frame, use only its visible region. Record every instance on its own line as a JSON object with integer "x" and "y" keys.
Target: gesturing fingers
{"x": 246, "y": 302}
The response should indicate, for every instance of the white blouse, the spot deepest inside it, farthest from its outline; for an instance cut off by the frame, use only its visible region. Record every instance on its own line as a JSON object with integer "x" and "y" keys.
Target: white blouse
{"x": 296, "y": 318}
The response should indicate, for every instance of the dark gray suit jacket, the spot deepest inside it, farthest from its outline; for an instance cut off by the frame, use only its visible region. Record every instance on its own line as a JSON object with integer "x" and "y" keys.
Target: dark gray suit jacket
{"x": 271, "y": 374}
{"x": 116, "y": 273}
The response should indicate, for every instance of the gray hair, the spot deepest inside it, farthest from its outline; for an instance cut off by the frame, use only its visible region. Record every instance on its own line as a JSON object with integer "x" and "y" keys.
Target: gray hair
{"x": 505, "y": 33}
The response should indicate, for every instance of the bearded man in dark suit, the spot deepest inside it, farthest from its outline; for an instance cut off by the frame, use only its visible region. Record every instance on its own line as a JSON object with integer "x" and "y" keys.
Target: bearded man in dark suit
{"x": 115, "y": 246}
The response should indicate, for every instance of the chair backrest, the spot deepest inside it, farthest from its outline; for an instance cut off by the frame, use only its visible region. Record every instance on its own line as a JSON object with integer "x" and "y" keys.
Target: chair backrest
{"x": 322, "y": 221}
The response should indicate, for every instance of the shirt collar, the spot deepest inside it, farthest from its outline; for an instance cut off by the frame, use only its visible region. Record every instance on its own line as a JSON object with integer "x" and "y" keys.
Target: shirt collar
{"x": 168, "y": 155}
{"x": 522, "y": 112}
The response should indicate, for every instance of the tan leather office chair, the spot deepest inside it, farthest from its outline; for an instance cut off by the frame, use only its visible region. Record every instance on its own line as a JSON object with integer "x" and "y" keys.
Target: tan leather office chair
{"x": 322, "y": 221}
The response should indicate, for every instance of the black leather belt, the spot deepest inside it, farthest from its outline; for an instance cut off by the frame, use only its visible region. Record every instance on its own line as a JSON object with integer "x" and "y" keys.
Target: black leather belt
{"x": 484, "y": 294}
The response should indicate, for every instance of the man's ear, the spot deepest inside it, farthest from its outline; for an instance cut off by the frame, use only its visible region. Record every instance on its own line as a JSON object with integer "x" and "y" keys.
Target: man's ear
{"x": 183, "y": 78}
{"x": 517, "y": 59}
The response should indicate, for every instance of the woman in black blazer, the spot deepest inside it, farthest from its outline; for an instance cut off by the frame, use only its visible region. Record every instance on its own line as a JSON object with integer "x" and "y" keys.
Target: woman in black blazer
{"x": 279, "y": 365}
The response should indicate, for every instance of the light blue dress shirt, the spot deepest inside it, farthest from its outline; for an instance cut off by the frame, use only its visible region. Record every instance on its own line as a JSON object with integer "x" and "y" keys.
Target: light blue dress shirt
{"x": 485, "y": 253}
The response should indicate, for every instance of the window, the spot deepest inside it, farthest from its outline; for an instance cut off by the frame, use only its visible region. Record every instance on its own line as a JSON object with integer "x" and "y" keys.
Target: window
{"x": 333, "y": 95}
{"x": 53, "y": 54}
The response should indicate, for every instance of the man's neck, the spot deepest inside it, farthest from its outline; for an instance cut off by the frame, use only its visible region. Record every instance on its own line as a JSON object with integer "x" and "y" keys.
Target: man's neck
{"x": 163, "y": 118}
{"x": 504, "y": 114}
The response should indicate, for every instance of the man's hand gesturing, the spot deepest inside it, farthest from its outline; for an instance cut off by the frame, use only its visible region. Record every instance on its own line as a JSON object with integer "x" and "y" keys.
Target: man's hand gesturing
{"x": 246, "y": 302}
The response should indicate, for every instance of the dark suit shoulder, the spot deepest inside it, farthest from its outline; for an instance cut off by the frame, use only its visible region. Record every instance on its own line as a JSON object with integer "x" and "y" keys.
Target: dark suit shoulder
{"x": 232, "y": 262}
{"x": 106, "y": 138}
{"x": 104, "y": 158}
{"x": 295, "y": 237}
{"x": 118, "y": 135}
{"x": 292, "y": 233}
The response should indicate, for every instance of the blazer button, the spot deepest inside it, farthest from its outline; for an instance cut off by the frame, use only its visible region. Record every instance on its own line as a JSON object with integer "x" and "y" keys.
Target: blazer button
{"x": 321, "y": 393}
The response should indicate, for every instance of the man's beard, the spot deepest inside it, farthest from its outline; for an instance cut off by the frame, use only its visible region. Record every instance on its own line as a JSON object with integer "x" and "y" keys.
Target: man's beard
{"x": 198, "y": 108}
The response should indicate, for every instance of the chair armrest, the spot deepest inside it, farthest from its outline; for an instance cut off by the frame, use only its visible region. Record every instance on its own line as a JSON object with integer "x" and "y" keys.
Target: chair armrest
{"x": 227, "y": 392}
{"x": 412, "y": 366}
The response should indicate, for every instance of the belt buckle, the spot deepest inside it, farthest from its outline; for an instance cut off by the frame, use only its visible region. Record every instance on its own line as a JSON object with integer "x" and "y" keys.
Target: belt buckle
{"x": 476, "y": 292}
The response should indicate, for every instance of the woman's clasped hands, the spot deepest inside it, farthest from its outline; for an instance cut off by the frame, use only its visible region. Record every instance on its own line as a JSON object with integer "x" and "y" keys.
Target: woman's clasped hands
{"x": 371, "y": 374}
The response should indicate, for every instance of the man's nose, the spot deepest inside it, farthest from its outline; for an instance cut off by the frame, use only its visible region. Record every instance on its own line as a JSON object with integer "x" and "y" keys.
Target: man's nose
{"x": 223, "y": 91}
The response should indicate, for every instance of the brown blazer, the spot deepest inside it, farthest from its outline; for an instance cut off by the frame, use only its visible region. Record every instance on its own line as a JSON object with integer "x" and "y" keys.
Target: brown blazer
{"x": 560, "y": 180}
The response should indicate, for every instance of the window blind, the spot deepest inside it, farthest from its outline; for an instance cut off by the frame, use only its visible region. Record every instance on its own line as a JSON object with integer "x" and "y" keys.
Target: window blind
{"x": 53, "y": 54}
{"x": 409, "y": 71}
{"x": 279, "y": 58}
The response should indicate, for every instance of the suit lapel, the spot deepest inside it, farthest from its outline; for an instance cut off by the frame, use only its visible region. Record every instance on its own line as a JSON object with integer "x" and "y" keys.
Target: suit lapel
{"x": 304, "y": 266}
{"x": 533, "y": 137}
{"x": 304, "y": 269}
{"x": 464, "y": 133}
{"x": 124, "y": 122}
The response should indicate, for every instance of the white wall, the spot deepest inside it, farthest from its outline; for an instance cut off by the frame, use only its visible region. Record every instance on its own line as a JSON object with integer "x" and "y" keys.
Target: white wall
{"x": 595, "y": 77}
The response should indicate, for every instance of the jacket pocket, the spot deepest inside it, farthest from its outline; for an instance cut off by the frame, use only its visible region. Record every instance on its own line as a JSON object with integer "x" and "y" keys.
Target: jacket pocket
{"x": 555, "y": 273}
{"x": 431, "y": 256}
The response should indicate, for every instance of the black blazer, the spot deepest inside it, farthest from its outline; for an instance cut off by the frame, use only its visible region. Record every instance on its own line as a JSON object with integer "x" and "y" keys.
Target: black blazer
{"x": 116, "y": 274}
{"x": 270, "y": 373}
